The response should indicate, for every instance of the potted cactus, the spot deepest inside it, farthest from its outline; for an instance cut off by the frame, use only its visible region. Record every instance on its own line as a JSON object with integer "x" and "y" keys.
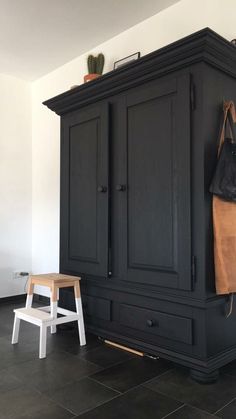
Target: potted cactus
{"x": 95, "y": 67}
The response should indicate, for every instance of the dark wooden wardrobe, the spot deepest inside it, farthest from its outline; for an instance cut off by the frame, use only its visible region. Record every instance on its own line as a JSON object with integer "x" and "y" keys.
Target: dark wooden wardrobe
{"x": 138, "y": 150}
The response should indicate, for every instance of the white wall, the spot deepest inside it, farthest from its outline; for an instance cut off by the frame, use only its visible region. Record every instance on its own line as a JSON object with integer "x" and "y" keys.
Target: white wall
{"x": 15, "y": 183}
{"x": 180, "y": 20}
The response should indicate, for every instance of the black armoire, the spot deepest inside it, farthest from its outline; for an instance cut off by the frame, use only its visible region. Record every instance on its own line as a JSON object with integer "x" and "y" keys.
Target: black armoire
{"x": 138, "y": 151}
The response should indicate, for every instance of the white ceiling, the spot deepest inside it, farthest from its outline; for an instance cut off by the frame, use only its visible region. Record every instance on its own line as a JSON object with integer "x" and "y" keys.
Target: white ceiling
{"x": 37, "y": 36}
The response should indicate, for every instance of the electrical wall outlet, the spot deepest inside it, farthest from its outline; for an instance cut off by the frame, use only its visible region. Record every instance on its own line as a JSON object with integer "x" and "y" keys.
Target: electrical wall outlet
{"x": 20, "y": 275}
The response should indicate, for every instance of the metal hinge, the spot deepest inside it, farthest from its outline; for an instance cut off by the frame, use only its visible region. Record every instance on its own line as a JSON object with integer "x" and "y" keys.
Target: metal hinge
{"x": 192, "y": 95}
{"x": 193, "y": 271}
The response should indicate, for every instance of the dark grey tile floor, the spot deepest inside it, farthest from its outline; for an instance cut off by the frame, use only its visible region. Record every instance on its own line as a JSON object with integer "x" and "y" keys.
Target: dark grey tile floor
{"x": 99, "y": 382}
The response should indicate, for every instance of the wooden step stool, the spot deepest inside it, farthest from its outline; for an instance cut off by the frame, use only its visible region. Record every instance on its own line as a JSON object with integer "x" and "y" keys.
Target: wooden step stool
{"x": 47, "y": 316}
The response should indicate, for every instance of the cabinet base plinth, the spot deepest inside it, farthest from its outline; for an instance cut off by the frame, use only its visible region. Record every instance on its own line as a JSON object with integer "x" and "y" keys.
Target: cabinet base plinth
{"x": 203, "y": 377}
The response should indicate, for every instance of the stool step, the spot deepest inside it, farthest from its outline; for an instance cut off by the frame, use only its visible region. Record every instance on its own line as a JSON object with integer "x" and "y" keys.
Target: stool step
{"x": 32, "y": 313}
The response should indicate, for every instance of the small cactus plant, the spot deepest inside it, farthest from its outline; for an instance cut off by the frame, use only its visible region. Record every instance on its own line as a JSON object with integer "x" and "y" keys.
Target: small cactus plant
{"x": 95, "y": 64}
{"x": 100, "y": 64}
{"x": 91, "y": 64}
{"x": 95, "y": 67}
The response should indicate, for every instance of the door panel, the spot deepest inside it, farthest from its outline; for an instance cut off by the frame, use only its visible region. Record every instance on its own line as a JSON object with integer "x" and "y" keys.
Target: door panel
{"x": 156, "y": 131}
{"x": 84, "y": 205}
{"x": 150, "y": 185}
{"x": 83, "y": 190}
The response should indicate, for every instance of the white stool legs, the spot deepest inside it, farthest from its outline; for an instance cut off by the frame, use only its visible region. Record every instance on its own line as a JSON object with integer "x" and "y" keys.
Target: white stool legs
{"x": 29, "y": 300}
{"x": 16, "y": 328}
{"x": 79, "y": 311}
{"x": 42, "y": 341}
{"x": 53, "y": 305}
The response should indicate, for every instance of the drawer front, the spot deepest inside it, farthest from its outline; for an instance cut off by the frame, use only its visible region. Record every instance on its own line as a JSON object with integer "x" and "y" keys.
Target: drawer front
{"x": 99, "y": 308}
{"x": 157, "y": 323}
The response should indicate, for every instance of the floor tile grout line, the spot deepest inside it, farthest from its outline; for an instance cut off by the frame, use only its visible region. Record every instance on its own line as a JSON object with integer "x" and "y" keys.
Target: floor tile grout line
{"x": 104, "y": 385}
{"x": 188, "y": 404}
{"x": 176, "y": 410}
{"x": 136, "y": 386}
{"x": 54, "y": 390}
{"x": 16, "y": 364}
{"x": 87, "y": 410}
{"x": 91, "y": 363}
{"x": 55, "y": 402}
{"x": 98, "y": 405}
{"x": 68, "y": 383}
{"x": 144, "y": 383}
{"x": 34, "y": 389}
{"x": 153, "y": 391}
{"x": 227, "y": 404}
{"x": 63, "y": 351}
{"x": 88, "y": 376}
{"x": 194, "y": 407}
{"x": 113, "y": 365}
{"x": 21, "y": 382}
{"x": 63, "y": 407}
{"x": 167, "y": 395}
{"x": 60, "y": 351}
{"x": 78, "y": 354}
{"x": 100, "y": 366}
{"x": 163, "y": 393}
{"x": 50, "y": 398}
{"x": 158, "y": 376}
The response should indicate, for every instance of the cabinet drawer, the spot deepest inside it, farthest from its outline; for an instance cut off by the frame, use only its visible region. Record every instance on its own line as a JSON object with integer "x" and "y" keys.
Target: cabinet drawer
{"x": 157, "y": 323}
{"x": 97, "y": 307}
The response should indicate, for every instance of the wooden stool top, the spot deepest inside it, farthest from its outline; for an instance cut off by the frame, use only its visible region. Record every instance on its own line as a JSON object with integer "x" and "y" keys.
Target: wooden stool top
{"x": 53, "y": 278}
{"x": 54, "y": 281}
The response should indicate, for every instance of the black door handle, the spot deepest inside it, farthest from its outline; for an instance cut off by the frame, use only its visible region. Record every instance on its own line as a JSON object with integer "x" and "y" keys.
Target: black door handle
{"x": 150, "y": 323}
{"x": 121, "y": 188}
{"x": 102, "y": 188}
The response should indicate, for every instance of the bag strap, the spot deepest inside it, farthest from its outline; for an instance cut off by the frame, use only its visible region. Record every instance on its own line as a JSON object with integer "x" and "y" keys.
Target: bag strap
{"x": 222, "y": 132}
{"x": 228, "y": 109}
{"x": 229, "y": 306}
{"x": 232, "y": 128}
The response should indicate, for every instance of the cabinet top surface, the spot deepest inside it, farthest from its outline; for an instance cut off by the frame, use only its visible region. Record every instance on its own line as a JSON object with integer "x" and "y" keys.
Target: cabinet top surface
{"x": 202, "y": 46}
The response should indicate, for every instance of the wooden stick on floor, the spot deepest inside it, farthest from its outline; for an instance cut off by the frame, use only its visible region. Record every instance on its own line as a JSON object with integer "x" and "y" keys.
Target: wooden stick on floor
{"x": 124, "y": 348}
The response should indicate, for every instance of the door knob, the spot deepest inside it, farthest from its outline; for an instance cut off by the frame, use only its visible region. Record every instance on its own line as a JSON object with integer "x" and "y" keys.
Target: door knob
{"x": 102, "y": 188}
{"x": 121, "y": 188}
{"x": 150, "y": 323}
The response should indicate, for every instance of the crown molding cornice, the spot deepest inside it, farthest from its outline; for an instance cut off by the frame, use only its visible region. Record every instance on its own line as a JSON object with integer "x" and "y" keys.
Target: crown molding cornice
{"x": 202, "y": 46}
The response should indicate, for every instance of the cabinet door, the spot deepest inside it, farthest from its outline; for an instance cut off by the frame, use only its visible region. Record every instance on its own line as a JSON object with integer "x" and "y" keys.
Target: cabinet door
{"x": 84, "y": 191}
{"x": 155, "y": 167}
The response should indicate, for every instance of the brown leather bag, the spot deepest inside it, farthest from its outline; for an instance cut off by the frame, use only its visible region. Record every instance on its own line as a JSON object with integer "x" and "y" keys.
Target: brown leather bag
{"x": 224, "y": 224}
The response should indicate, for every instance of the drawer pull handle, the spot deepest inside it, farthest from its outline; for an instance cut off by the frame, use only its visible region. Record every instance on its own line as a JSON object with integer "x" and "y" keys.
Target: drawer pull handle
{"x": 150, "y": 323}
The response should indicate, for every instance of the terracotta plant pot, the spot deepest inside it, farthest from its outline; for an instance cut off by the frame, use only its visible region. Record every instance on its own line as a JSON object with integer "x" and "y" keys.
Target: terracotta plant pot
{"x": 91, "y": 76}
